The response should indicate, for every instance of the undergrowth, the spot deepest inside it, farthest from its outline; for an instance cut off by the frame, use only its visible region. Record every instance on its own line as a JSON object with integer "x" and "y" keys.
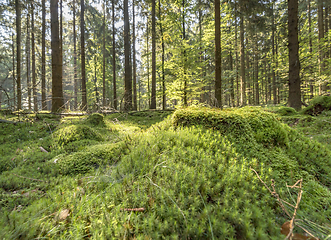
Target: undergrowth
{"x": 137, "y": 177}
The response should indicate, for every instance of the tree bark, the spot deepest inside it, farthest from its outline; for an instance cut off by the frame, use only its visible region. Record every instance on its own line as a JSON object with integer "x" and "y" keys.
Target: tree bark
{"x": 75, "y": 55}
{"x": 218, "y": 59}
{"x": 153, "y": 96}
{"x": 57, "y": 93}
{"x": 294, "y": 99}
{"x": 128, "y": 69}
{"x": 43, "y": 58}
{"x": 18, "y": 53}
{"x": 311, "y": 87}
{"x": 104, "y": 57}
{"x": 34, "y": 84}
{"x": 184, "y": 53}
{"x": 114, "y": 56}
{"x": 14, "y": 84}
{"x": 27, "y": 52}
{"x": 274, "y": 86}
{"x": 242, "y": 60}
{"x": 82, "y": 44}
{"x": 164, "y": 103}
{"x": 134, "y": 58}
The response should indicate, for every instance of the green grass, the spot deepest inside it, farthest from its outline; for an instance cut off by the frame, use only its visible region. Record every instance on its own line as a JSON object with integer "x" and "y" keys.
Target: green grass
{"x": 190, "y": 170}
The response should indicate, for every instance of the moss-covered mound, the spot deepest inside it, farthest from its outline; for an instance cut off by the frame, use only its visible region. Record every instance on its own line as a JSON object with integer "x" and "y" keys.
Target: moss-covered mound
{"x": 72, "y": 133}
{"x": 285, "y": 111}
{"x": 96, "y": 119}
{"x": 248, "y": 123}
{"x": 91, "y": 158}
{"x": 318, "y": 105}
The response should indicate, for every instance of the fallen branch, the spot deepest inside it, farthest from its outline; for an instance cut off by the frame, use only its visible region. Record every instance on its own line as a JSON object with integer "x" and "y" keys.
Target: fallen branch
{"x": 43, "y": 149}
{"x": 133, "y": 209}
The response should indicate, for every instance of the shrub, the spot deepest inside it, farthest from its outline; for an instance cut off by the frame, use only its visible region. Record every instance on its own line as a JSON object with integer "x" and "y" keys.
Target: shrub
{"x": 73, "y": 133}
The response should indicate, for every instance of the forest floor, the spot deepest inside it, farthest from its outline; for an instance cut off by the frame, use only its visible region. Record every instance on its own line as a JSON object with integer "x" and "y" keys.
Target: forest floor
{"x": 194, "y": 173}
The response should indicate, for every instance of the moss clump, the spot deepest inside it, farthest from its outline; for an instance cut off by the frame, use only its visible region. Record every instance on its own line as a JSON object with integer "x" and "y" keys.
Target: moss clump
{"x": 96, "y": 119}
{"x": 75, "y": 133}
{"x": 286, "y": 111}
{"x": 91, "y": 158}
{"x": 247, "y": 123}
{"x": 318, "y": 105}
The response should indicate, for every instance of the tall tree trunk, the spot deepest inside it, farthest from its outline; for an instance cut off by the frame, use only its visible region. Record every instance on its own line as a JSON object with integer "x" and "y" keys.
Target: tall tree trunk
{"x": 321, "y": 39}
{"x": 28, "y": 77}
{"x": 184, "y": 53}
{"x": 218, "y": 59}
{"x": 75, "y": 55}
{"x": 61, "y": 34}
{"x": 43, "y": 58}
{"x": 257, "y": 88}
{"x": 311, "y": 87}
{"x": 104, "y": 57}
{"x": 18, "y": 53}
{"x": 114, "y": 56}
{"x": 164, "y": 103}
{"x": 127, "y": 67}
{"x": 34, "y": 84}
{"x": 57, "y": 93}
{"x": 134, "y": 58}
{"x": 274, "y": 86}
{"x": 242, "y": 58}
{"x": 153, "y": 96}
{"x": 14, "y": 85}
{"x": 82, "y": 47}
{"x": 147, "y": 54}
{"x": 236, "y": 51}
{"x": 294, "y": 99}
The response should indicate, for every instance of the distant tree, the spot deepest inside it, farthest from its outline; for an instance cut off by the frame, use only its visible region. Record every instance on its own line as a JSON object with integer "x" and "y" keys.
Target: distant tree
{"x": 34, "y": 74}
{"x": 82, "y": 49}
{"x": 218, "y": 59}
{"x": 114, "y": 56}
{"x": 57, "y": 92}
{"x": 294, "y": 99}
{"x": 43, "y": 58}
{"x": 153, "y": 96}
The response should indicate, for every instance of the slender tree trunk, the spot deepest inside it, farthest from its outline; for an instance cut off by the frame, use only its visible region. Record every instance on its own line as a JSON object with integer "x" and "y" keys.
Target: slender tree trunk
{"x": 294, "y": 62}
{"x": 57, "y": 93}
{"x": 28, "y": 77}
{"x": 321, "y": 39}
{"x": 257, "y": 88}
{"x": 274, "y": 86}
{"x": 164, "y": 103}
{"x": 61, "y": 35}
{"x": 134, "y": 58}
{"x": 114, "y": 56}
{"x": 153, "y": 96}
{"x": 242, "y": 60}
{"x": 104, "y": 57}
{"x": 82, "y": 44}
{"x": 147, "y": 54}
{"x": 14, "y": 85}
{"x": 218, "y": 57}
{"x": 128, "y": 69}
{"x": 236, "y": 51}
{"x": 75, "y": 56}
{"x": 311, "y": 87}
{"x": 34, "y": 84}
{"x": 184, "y": 53}
{"x": 43, "y": 58}
{"x": 18, "y": 53}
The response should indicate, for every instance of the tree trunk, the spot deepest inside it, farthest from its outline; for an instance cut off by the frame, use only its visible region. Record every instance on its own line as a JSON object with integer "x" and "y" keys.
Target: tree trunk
{"x": 311, "y": 87}
{"x": 274, "y": 87}
{"x": 147, "y": 54}
{"x": 184, "y": 53}
{"x": 14, "y": 85}
{"x": 114, "y": 56}
{"x": 236, "y": 51}
{"x": 128, "y": 69}
{"x": 104, "y": 57}
{"x": 294, "y": 99}
{"x": 164, "y": 103}
{"x": 242, "y": 60}
{"x": 218, "y": 59}
{"x": 28, "y": 77}
{"x": 320, "y": 39}
{"x": 18, "y": 53}
{"x": 75, "y": 56}
{"x": 57, "y": 93}
{"x": 257, "y": 88}
{"x": 34, "y": 85}
{"x": 153, "y": 96}
{"x": 43, "y": 58}
{"x": 82, "y": 44}
{"x": 134, "y": 58}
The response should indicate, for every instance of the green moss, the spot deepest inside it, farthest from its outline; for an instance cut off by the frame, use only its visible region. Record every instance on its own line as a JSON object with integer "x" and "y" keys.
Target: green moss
{"x": 318, "y": 105}
{"x": 285, "y": 111}
{"x": 73, "y": 133}
{"x": 249, "y": 123}
{"x": 96, "y": 119}
{"x": 91, "y": 158}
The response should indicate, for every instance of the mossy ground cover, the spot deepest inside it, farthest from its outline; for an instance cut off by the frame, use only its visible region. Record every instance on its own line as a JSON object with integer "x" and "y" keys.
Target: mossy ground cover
{"x": 187, "y": 173}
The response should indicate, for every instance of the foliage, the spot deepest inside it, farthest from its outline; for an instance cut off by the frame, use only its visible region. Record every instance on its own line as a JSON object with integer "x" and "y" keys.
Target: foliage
{"x": 96, "y": 119}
